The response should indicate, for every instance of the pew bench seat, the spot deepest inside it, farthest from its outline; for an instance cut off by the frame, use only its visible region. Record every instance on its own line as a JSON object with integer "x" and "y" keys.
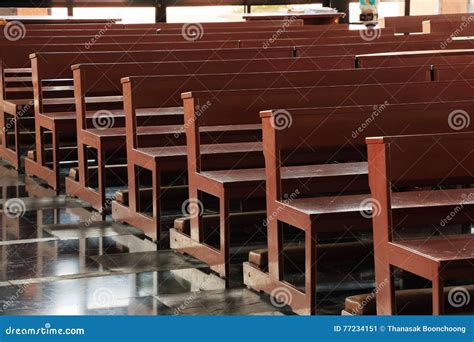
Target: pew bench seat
{"x": 238, "y": 176}
{"x": 18, "y": 79}
{"x": 18, "y": 71}
{"x": 174, "y": 131}
{"x": 409, "y": 302}
{"x": 114, "y": 139}
{"x": 333, "y": 252}
{"x": 49, "y": 119}
{"x": 421, "y": 199}
{"x": 437, "y": 251}
{"x": 212, "y": 150}
{"x": 18, "y": 106}
{"x": 55, "y": 88}
{"x": 90, "y": 100}
{"x": 62, "y": 124}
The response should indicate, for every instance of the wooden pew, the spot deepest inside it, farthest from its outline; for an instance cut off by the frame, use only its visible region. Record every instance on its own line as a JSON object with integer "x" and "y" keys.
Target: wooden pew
{"x": 438, "y": 168}
{"x": 463, "y": 56}
{"x": 36, "y": 45}
{"x": 42, "y": 20}
{"x": 37, "y": 168}
{"x": 236, "y": 38}
{"x": 113, "y": 30}
{"x": 414, "y": 23}
{"x": 221, "y": 36}
{"x": 14, "y": 157}
{"x": 333, "y": 62}
{"x": 454, "y": 28}
{"x": 379, "y": 47}
{"x": 409, "y": 302}
{"x": 79, "y": 187}
{"x": 176, "y": 26}
{"x": 140, "y": 92}
{"x": 23, "y": 93}
{"x": 331, "y": 132}
{"x": 240, "y": 107}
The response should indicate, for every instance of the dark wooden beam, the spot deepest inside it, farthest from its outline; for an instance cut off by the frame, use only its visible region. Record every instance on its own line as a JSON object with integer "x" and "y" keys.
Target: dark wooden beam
{"x": 407, "y": 7}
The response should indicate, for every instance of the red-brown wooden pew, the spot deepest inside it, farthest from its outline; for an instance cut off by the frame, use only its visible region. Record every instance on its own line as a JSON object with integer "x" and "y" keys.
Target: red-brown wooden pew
{"x": 438, "y": 170}
{"x": 414, "y": 23}
{"x": 328, "y": 133}
{"x": 46, "y": 71}
{"x": 80, "y": 187}
{"x": 240, "y": 107}
{"x": 140, "y": 91}
{"x": 406, "y": 58}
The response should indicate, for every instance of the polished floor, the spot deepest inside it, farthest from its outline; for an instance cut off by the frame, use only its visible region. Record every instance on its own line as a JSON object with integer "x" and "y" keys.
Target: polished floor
{"x": 59, "y": 258}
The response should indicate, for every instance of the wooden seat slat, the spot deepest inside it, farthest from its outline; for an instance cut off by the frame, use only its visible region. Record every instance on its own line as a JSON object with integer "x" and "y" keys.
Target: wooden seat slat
{"x": 439, "y": 249}
{"x": 141, "y": 112}
{"x": 401, "y": 200}
{"x": 167, "y": 129}
{"x": 289, "y": 172}
{"x": 214, "y": 149}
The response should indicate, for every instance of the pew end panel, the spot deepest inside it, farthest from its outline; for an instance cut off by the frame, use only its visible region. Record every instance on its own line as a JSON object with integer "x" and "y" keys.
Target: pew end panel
{"x": 436, "y": 172}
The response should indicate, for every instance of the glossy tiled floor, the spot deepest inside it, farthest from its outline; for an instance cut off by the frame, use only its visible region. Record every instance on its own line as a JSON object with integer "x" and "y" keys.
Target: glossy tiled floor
{"x": 58, "y": 258}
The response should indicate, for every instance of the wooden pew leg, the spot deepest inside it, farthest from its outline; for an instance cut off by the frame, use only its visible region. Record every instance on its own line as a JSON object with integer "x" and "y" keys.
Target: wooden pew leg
{"x": 17, "y": 142}
{"x": 56, "y": 158}
{"x": 132, "y": 187}
{"x": 156, "y": 186}
{"x": 310, "y": 268}
{"x": 385, "y": 288}
{"x": 275, "y": 247}
{"x": 39, "y": 140}
{"x": 3, "y": 130}
{"x": 438, "y": 295}
{"x": 196, "y": 231}
{"x": 82, "y": 164}
{"x": 101, "y": 178}
{"x": 225, "y": 235}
